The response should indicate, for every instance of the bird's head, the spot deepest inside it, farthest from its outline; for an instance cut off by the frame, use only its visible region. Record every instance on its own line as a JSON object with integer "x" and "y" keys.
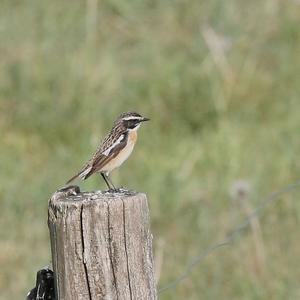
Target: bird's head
{"x": 131, "y": 120}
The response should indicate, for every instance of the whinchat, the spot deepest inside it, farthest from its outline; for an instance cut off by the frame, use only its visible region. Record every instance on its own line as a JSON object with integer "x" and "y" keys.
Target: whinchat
{"x": 114, "y": 149}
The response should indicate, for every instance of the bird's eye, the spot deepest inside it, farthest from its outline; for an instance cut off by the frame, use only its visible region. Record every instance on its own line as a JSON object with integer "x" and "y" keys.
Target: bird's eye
{"x": 131, "y": 124}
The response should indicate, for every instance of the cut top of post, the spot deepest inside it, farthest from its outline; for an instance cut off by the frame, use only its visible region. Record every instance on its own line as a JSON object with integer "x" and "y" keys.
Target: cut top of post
{"x": 73, "y": 193}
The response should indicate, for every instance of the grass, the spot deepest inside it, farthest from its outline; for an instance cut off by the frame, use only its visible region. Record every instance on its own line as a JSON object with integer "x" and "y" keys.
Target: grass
{"x": 220, "y": 81}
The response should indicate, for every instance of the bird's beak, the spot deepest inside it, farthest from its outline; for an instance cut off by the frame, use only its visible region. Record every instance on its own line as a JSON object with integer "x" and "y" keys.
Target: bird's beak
{"x": 145, "y": 119}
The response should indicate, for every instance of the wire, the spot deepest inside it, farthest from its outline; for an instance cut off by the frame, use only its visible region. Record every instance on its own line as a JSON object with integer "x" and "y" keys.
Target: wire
{"x": 196, "y": 261}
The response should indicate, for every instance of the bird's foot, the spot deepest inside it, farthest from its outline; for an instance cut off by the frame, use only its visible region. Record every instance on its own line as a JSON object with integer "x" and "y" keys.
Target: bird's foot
{"x": 114, "y": 190}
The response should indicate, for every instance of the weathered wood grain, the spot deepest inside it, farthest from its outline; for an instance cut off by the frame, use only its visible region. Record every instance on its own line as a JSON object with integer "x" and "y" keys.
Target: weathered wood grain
{"x": 101, "y": 245}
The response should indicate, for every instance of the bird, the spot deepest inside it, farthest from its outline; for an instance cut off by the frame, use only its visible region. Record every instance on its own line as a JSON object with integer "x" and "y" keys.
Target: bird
{"x": 114, "y": 149}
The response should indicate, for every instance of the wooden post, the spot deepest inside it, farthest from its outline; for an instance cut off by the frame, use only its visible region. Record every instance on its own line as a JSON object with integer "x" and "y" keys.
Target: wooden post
{"x": 101, "y": 245}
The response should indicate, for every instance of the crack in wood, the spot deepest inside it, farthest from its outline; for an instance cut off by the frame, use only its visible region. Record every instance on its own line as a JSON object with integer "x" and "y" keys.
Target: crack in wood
{"x": 83, "y": 255}
{"x": 126, "y": 253}
{"x": 110, "y": 250}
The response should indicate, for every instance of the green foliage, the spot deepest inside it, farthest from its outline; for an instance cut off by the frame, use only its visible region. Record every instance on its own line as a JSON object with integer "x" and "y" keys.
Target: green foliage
{"x": 220, "y": 82}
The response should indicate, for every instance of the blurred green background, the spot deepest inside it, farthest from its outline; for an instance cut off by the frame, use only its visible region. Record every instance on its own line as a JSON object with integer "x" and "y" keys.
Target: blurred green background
{"x": 220, "y": 82}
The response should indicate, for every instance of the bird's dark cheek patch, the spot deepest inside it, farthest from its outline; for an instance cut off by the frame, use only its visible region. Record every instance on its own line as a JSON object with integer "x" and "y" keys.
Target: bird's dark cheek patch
{"x": 132, "y": 124}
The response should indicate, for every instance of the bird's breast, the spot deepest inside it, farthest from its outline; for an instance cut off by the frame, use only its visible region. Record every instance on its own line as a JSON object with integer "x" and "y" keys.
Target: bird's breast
{"x": 132, "y": 136}
{"x": 123, "y": 154}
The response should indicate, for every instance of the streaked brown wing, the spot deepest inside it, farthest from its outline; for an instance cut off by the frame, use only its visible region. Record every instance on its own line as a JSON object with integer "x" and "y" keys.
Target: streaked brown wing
{"x": 101, "y": 160}
{"x": 109, "y": 140}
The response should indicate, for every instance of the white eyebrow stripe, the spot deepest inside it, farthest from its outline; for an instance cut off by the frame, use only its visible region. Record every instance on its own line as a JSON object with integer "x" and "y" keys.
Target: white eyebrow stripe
{"x": 107, "y": 151}
{"x": 132, "y": 118}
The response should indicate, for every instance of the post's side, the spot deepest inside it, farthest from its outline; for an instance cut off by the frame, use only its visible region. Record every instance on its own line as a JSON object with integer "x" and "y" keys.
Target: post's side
{"x": 101, "y": 246}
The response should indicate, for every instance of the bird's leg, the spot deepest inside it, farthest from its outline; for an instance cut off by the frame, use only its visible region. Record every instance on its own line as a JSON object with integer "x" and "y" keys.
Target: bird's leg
{"x": 109, "y": 180}
{"x": 106, "y": 181}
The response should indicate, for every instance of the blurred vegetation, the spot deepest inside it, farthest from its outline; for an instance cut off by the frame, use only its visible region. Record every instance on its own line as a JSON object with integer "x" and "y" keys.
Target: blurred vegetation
{"x": 220, "y": 81}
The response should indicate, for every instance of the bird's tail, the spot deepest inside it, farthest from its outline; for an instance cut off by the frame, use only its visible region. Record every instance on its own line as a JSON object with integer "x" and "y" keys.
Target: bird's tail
{"x": 83, "y": 174}
{"x": 73, "y": 178}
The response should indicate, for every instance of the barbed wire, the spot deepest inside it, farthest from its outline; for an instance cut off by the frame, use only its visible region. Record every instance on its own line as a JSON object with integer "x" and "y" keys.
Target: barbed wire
{"x": 196, "y": 261}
